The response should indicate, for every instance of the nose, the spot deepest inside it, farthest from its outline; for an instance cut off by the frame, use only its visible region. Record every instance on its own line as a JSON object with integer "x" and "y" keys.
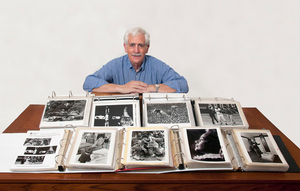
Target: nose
{"x": 136, "y": 49}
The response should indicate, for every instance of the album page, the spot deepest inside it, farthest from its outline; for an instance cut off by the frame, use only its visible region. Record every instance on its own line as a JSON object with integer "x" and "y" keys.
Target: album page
{"x": 147, "y": 147}
{"x": 94, "y": 148}
{"x": 259, "y": 151}
{"x": 39, "y": 151}
{"x": 204, "y": 149}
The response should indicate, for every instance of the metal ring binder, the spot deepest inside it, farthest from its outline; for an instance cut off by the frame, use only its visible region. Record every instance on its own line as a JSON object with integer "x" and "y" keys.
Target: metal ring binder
{"x": 53, "y": 94}
{"x": 173, "y": 127}
{"x": 62, "y": 140}
{"x": 70, "y": 94}
{"x": 58, "y": 156}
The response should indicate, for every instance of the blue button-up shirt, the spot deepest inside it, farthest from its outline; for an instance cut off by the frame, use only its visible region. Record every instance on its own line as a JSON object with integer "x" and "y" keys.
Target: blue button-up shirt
{"x": 152, "y": 71}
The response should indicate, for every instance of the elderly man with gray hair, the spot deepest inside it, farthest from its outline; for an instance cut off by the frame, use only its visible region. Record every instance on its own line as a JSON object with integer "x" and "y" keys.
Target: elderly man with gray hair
{"x": 136, "y": 72}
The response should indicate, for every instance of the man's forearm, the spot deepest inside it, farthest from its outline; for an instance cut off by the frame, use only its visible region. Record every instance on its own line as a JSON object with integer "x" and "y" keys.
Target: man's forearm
{"x": 107, "y": 88}
{"x": 162, "y": 89}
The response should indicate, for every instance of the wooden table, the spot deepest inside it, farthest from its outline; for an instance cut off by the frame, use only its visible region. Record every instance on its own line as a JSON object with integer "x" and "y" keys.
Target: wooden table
{"x": 30, "y": 119}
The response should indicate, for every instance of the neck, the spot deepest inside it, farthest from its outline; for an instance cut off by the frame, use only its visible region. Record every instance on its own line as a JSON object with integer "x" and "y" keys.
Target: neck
{"x": 136, "y": 66}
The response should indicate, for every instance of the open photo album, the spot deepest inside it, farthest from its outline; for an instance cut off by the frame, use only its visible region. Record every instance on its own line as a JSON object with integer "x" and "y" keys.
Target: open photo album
{"x": 61, "y": 111}
{"x": 115, "y": 111}
{"x": 42, "y": 150}
{"x": 149, "y": 149}
{"x": 161, "y": 109}
{"x": 200, "y": 149}
{"x": 219, "y": 112}
{"x": 254, "y": 150}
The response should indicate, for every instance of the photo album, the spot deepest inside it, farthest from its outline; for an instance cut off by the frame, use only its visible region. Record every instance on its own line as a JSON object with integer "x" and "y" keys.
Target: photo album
{"x": 254, "y": 150}
{"x": 220, "y": 112}
{"x": 115, "y": 110}
{"x": 104, "y": 134}
{"x": 161, "y": 109}
{"x": 61, "y": 111}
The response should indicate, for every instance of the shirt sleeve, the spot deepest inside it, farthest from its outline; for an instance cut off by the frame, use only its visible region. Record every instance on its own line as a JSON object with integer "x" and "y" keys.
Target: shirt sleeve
{"x": 172, "y": 79}
{"x": 97, "y": 79}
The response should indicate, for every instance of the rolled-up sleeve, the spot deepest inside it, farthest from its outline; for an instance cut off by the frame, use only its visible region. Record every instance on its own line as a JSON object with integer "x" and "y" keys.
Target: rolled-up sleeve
{"x": 97, "y": 79}
{"x": 172, "y": 79}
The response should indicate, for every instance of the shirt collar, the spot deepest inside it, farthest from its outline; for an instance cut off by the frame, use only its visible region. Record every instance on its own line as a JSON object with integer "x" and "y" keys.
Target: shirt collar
{"x": 128, "y": 63}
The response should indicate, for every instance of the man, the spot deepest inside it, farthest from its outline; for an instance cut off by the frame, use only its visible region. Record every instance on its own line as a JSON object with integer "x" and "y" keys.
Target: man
{"x": 136, "y": 72}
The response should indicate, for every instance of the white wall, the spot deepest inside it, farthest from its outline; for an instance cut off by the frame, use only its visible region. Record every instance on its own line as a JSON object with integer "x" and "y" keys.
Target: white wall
{"x": 246, "y": 50}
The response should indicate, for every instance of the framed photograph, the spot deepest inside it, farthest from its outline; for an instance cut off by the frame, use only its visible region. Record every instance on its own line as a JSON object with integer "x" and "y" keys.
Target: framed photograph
{"x": 61, "y": 111}
{"x": 167, "y": 110}
{"x": 224, "y": 113}
{"x": 259, "y": 150}
{"x": 94, "y": 148}
{"x": 204, "y": 148}
{"x": 115, "y": 111}
{"x": 146, "y": 148}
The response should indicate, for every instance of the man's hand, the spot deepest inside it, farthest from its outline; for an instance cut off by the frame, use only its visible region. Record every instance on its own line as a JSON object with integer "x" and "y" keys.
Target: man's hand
{"x": 133, "y": 87}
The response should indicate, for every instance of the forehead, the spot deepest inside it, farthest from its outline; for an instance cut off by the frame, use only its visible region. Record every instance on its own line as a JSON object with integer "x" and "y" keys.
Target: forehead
{"x": 139, "y": 38}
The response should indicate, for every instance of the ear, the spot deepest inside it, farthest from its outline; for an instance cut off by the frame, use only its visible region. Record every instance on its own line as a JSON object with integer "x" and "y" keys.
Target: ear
{"x": 147, "y": 48}
{"x": 125, "y": 47}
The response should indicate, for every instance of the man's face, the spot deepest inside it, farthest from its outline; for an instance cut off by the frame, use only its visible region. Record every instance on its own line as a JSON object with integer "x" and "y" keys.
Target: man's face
{"x": 136, "y": 49}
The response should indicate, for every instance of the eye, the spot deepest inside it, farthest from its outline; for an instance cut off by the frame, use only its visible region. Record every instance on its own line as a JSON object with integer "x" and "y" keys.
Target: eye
{"x": 141, "y": 45}
{"x": 131, "y": 45}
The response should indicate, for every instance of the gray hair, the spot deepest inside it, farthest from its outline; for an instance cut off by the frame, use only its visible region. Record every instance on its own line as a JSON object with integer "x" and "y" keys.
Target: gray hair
{"x": 137, "y": 31}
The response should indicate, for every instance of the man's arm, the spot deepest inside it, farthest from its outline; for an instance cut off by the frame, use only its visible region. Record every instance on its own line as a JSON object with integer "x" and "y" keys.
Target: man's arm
{"x": 162, "y": 89}
{"x": 167, "y": 76}
{"x": 130, "y": 87}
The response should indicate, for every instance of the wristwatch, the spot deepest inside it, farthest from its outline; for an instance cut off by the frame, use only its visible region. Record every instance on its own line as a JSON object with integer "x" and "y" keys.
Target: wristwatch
{"x": 157, "y": 87}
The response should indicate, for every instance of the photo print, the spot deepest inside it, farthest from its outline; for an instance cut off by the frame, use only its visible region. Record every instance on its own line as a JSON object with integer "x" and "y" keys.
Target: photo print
{"x": 167, "y": 113}
{"x": 93, "y": 148}
{"x": 259, "y": 147}
{"x": 220, "y": 114}
{"x": 113, "y": 115}
{"x": 30, "y": 160}
{"x": 64, "y": 110}
{"x": 204, "y": 145}
{"x": 40, "y": 150}
{"x": 148, "y": 146}
{"x": 37, "y": 141}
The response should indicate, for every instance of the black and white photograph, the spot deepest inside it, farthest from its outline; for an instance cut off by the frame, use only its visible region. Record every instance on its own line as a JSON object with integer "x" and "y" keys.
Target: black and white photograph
{"x": 40, "y": 150}
{"x": 30, "y": 160}
{"x": 93, "y": 148}
{"x": 220, "y": 115}
{"x": 167, "y": 113}
{"x": 114, "y": 115}
{"x": 260, "y": 148}
{"x": 204, "y": 145}
{"x": 37, "y": 141}
{"x": 64, "y": 110}
{"x": 148, "y": 146}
